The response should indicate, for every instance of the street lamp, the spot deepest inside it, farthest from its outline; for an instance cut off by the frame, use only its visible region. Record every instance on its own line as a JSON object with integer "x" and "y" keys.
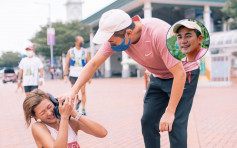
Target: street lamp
{"x": 50, "y": 33}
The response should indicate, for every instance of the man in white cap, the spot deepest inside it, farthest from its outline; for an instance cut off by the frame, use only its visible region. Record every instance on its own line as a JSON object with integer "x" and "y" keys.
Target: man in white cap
{"x": 189, "y": 39}
{"x": 167, "y": 104}
{"x": 30, "y": 67}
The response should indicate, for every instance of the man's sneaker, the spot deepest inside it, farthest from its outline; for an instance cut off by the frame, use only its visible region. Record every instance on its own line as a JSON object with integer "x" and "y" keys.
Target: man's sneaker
{"x": 83, "y": 112}
{"x": 78, "y": 104}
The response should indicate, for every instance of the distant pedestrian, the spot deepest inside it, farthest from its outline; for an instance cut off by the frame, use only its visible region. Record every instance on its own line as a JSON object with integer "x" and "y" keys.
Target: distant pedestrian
{"x": 52, "y": 72}
{"x": 30, "y": 67}
{"x": 77, "y": 58}
{"x": 58, "y": 73}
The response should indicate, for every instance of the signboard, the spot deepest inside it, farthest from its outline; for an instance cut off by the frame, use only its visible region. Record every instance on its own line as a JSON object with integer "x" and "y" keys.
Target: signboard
{"x": 50, "y": 36}
{"x": 220, "y": 68}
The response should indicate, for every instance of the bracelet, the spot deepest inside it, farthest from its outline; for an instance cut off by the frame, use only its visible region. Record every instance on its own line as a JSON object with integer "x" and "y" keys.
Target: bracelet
{"x": 41, "y": 79}
{"x": 65, "y": 74}
{"x": 78, "y": 116}
{"x": 19, "y": 81}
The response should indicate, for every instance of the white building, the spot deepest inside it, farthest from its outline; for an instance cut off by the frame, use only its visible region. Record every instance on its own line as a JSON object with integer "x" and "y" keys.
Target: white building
{"x": 74, "y": 10}
{"x": 206, "y": 11}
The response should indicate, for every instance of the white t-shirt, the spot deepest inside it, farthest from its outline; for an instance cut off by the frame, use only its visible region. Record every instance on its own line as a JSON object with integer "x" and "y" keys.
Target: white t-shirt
{"x": 77, "y": 56}
{"x": 30, "y": 67}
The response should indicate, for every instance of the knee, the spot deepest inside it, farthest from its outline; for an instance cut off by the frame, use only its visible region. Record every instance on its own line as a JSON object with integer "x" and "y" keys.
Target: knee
{"x": 150, "y": 126}
{"x": 146, "y": 121}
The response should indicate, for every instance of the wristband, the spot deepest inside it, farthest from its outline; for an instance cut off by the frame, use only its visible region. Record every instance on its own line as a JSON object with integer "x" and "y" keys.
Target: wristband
{"x": 78, "y": 116}
{"x": 41, "y": 79}
{"x": 18, "y": 81}
{"x": 65, "y": 75}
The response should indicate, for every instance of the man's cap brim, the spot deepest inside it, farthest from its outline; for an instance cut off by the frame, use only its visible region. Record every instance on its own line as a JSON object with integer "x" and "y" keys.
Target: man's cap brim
{"x": 102, "y": 37}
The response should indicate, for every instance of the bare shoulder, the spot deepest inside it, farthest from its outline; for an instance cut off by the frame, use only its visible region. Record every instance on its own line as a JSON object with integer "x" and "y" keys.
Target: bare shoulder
{"x": 38, "y": 127}
{"x": 42, "y": 135}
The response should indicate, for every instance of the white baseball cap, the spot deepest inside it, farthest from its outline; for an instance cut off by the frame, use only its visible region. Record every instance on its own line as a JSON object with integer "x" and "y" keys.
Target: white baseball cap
{"x": 187, "y": 24}
{"x": 110, "y": 22}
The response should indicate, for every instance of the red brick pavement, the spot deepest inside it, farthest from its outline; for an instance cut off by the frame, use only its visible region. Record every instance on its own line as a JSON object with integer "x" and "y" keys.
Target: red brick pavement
{"x": 215, "y": 112}
{"x": 117, "y": 105}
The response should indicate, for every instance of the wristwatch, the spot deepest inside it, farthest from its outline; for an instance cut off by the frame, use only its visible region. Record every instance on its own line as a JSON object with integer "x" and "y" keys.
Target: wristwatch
{"x": 78, "y": 116}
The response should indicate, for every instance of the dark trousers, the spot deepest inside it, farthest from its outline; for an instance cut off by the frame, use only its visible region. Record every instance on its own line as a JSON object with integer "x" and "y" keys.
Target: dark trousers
{"x": 30, "y": 88}
{"x": 155, "y": 103}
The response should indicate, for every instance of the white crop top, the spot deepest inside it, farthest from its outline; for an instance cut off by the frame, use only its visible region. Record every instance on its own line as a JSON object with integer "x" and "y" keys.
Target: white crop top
{"x": 72, "y": 137}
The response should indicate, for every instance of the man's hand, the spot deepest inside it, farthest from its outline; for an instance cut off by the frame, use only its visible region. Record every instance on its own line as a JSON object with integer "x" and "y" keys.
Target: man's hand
{"x": 40, "y": 83}
{"x": 166, "y": 121}
{"x": 69, "y": 94}
{"x": 65, "y": 79}
{"x": 19, "y": 84}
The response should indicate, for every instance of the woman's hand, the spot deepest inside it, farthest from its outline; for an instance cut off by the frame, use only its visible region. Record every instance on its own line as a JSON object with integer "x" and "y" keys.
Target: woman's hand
{"x": 66, "y": 107}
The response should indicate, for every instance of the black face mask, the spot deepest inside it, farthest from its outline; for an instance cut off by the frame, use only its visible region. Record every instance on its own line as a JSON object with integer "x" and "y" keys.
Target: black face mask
{"x": 81, "y": 44}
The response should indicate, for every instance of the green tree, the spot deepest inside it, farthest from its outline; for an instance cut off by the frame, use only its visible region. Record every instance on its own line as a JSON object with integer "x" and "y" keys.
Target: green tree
{"x": 10, "y": 59}
{"x": 230, "y": 9}
{"x": 171, "y": 44}
{"x": 64, "y": 37}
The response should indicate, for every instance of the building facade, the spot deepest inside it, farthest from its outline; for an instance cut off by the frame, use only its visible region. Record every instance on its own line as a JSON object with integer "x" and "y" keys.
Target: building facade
{"x": 207, "y": 12}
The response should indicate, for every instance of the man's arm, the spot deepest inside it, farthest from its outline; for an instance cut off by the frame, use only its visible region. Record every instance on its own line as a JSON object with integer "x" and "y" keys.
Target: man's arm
{"x": 20, "y": 75}
{"x": 177, "y": 87}
{"x": 176, "y": 94}
{"x": 88, "y": 71}
{"x": 41, "y": 73}
{"x": 41, "y": 79}
{"x": 88, "y": 58}
{"x": 67, "y": 63}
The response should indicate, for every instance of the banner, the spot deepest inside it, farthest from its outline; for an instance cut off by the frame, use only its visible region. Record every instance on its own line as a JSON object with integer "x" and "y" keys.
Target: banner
{"x": 50, "y": 36}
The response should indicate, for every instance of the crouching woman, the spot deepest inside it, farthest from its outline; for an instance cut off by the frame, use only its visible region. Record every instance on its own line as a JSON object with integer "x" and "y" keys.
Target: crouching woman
{"x": 50, "y": 131}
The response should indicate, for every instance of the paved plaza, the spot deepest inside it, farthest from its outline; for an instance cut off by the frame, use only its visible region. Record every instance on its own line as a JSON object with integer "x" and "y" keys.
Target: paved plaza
{"x": 117, "y": 104}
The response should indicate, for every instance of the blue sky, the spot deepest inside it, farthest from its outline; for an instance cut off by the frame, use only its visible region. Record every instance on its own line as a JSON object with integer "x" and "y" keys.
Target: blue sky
{"x": 21, "y": 19}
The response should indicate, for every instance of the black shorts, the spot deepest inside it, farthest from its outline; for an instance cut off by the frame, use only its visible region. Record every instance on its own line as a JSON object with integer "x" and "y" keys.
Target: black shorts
{"x": 73, "y": 80}
{"x": 30, "y": 88}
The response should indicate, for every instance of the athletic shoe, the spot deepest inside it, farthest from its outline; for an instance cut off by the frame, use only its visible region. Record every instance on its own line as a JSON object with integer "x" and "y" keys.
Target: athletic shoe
{"x": 83, "y": 112}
